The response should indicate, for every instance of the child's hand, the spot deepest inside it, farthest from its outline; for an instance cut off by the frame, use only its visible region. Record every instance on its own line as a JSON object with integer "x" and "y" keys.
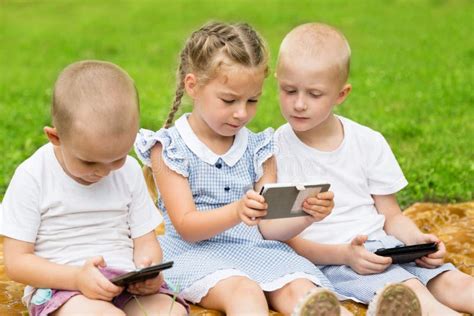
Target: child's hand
{"x": 435, "y": 259}
{"x": 93, "y": 284}
{"x": 147, "y": 287}
{"x": 251, "y": 208}
{"x": 320, "y": 206}
{"x": 363, "y": 261}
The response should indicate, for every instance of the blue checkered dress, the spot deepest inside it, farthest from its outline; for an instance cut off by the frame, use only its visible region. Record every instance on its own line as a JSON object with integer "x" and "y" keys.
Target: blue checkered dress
{"x": 242, "y": 247}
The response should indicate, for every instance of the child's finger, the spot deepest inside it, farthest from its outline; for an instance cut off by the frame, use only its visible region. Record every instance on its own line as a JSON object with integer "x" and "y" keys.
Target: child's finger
{"x": 109, "y": 287}
{"x": 250, "y": 221}
{"x": 423, "y": 264}
{"x": 319, "y": 202}
{"x": 372, "y": 257}
{"x": 432, "y": 262}
{"x": 253, "y": 195}
{"x": 255, "y": 213}
{"x": 253, "y": 204}
{"x": 359, "y": 240}
{"x": 372, "y": 268}
{"x": 322, "y": 210}
{"x": 329, "y": 195}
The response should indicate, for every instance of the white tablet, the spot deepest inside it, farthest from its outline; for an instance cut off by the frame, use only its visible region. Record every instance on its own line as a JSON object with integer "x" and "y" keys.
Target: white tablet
{"x": 286, "y": 199}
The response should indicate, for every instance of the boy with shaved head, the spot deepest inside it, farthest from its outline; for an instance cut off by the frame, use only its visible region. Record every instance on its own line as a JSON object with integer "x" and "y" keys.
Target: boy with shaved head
{"x": 318, "y": 146}
{"x": 77, "y": 212}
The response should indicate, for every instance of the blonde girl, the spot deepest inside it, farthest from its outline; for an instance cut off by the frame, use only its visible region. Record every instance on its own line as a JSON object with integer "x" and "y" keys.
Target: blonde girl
{"x": 208, "y": 167}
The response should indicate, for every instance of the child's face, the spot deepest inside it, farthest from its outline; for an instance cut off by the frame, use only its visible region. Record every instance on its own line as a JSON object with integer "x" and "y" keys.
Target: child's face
{"x": 308, "y": 92}
{"x": 89, "y": 159}
{"x": 229, "y": 101}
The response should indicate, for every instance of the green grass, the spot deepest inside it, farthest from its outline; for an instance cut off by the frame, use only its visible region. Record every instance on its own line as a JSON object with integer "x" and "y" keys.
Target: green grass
{"x": 412, "y": 71}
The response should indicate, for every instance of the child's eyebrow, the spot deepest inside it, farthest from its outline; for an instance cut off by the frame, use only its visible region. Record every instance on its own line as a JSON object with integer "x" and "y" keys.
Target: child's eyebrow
{"x": 235, "y": 96}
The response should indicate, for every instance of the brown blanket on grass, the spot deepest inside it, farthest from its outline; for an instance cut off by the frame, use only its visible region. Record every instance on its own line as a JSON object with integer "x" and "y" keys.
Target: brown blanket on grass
{"x": 452, "y": 223}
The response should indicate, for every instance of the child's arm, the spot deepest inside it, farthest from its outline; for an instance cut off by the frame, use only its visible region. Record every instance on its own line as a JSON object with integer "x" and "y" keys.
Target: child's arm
{"x": 283, "y": 229}
{"x": 194, "y": 226}
{"x": 404, "y": 229}
{"x": 146, "y": 252}
{"x": 353, "y": 255}
{"x": 23, "y": 266}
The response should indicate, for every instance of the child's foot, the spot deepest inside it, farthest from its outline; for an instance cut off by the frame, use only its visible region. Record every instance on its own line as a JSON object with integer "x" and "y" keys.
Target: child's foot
{"x": 318, "y": 302}
{"x": 395, "y": 300}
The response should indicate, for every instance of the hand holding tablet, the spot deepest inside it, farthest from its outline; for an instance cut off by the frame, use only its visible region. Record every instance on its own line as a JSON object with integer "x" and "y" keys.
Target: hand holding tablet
{"x": 285, "y": 200}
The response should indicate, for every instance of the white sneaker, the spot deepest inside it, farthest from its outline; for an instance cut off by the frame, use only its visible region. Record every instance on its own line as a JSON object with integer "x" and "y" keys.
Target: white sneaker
{"x": 395, "y": 300}
{"x": 318, "y": 302}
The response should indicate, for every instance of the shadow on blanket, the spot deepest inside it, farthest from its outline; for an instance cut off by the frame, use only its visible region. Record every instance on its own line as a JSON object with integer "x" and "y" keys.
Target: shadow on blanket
{"x": 452, "y": 223}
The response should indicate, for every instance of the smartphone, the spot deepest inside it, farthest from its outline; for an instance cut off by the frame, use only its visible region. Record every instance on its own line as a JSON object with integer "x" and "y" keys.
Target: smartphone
{"x": 405, "y": 254}
{"x": 141, "y": 274}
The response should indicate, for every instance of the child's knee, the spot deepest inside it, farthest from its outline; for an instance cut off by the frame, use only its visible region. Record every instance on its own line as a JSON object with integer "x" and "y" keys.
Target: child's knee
{"x": 451, "y": 281}
{"x": 246, "y": 286}
{"x": 298, "y": 287}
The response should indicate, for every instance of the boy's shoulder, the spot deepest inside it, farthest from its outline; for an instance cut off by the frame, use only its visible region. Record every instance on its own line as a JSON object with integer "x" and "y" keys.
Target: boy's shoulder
{"x": 359, "y": 132}
{"x": 358, "y": 128}
{"x": 36, "y": 164}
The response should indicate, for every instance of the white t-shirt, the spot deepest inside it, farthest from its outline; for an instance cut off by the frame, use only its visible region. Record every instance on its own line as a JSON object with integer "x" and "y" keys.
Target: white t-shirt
{"x": 69, "y": 222}
{"x": 363, "y": 165}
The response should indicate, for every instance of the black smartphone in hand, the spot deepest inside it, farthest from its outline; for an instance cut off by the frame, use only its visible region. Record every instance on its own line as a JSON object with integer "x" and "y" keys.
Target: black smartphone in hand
{"x": 405, "y": 254}
{"x": 141, "y": 274}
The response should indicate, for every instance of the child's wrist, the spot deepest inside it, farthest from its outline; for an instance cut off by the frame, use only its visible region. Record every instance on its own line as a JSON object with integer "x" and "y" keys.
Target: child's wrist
{"x": 346, "y": 251}
{"x": 236, "y": 211}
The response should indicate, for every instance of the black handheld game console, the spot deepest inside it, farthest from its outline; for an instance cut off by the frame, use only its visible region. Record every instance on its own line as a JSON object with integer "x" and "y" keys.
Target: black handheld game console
{"x": 141, "y": 274}
{"x": 405, "y": 254}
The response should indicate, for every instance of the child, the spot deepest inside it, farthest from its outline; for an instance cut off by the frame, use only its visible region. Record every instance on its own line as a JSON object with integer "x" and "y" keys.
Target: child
{"x": 208, "y": 168}
{"x": 77, "y": 212}
{"x": 317, "y": 145}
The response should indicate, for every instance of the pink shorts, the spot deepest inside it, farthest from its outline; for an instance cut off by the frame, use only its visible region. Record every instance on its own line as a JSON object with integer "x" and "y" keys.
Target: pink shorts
{"x": 54, "y": 299}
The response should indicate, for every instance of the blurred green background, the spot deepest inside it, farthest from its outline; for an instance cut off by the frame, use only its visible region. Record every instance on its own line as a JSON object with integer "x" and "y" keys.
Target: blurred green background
{"x": 412, "y": 71}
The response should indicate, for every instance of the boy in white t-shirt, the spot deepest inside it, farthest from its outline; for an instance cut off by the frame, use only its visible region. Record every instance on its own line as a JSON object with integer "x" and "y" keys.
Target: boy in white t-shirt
{"x": 77, "y": 212}
{"x": 318, "y": 146}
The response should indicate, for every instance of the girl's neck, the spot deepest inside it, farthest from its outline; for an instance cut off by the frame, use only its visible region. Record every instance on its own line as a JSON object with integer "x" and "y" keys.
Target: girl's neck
{"x": 327, "y": 136}
{"x": 216, "y": 143}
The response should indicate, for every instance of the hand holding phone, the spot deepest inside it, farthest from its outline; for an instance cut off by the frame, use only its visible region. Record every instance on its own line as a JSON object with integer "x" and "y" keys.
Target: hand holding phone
{"x": 405, "y": 254}
{"x": 141, "y": 274}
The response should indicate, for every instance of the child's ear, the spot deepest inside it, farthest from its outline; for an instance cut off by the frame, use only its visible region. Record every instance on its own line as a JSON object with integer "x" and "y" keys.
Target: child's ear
{"x": 190, "y": 84}
{"x": 346, "y": 89}
{"x": 52, "y": 135}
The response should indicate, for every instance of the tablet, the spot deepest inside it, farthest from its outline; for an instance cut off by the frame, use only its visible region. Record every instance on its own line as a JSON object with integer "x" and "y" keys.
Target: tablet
{"x": 285, "y": 200}
{"x": 405, "y": 254}
{"x": 141, "y": 274}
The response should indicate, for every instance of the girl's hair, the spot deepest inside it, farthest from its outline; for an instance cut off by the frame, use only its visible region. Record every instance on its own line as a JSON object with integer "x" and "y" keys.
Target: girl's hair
{"x": 237, "y": 43}
{"x": 204, "y": 52}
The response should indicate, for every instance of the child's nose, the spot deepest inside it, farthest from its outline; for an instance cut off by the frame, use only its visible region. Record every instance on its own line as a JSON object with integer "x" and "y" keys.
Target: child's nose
{"x": 300, "y": 104}
{"x": 241, "y": 112}
{"x": 102, "y": 171}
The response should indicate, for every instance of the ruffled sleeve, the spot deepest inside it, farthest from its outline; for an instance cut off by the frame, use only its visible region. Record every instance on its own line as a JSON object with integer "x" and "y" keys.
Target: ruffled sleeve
{"x": 172, "y": 154}
{"x": 264, "y": 149}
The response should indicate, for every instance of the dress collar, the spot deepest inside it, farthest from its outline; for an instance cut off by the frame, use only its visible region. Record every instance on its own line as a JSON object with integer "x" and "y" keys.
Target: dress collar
{"x": 231, "y": 157}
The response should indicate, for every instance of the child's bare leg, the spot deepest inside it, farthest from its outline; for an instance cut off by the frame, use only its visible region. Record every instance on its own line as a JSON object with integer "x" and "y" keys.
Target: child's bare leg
{"x": 157, "y": 304}
{"x": 454, "y": 289}
{"x": 236, "y": 296}
{"x": 81, "y": 305}
{"x": 285, "y": 299}
{"x": 429, "y": 304}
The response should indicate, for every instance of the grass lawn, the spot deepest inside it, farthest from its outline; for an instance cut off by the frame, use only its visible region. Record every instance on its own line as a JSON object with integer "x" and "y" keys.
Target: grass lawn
{"x": 412, "y": 70}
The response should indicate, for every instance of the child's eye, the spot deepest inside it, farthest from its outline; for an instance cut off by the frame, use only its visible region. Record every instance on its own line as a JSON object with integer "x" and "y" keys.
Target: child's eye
{"x": 290, "y": 91}
{"x": 253, "y": 101}
{"x": 313, "y": 95}
{"x": 228, "y": 101}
